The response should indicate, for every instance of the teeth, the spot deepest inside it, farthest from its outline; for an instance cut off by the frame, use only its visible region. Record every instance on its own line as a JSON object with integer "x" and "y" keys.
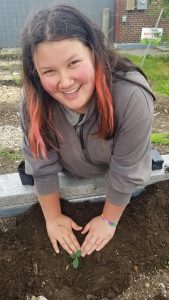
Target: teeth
{"x": 71, "y": 92}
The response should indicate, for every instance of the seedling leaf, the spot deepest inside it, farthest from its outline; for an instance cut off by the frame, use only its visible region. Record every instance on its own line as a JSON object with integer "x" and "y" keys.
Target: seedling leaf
{"x": 75, "y": 263}
{"x": 75, "y": 257}
{"x": 78, "y": 253}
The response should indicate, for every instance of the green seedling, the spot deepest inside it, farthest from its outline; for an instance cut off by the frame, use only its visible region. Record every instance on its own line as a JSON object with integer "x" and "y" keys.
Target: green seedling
{"x": 75, "y": 259}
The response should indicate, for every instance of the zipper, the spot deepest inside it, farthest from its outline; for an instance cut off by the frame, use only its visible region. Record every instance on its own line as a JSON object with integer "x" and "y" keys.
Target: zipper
{"x": 81, "y": 136}
{"x": 79, "y": 130}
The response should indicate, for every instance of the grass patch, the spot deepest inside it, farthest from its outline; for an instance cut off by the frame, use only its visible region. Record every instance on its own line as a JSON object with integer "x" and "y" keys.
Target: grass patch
{"x": 160, "y": 138}
{"x": 16, "y": 78}
{"x": 10, "y": 54}
{"x": 10, "y": 154}
{"x": 11, "y": 67}
{"x": 157, "y": 70}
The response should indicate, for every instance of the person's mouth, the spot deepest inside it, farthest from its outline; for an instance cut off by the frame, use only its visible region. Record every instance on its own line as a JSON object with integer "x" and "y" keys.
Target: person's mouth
{"x": 71, "y": 92}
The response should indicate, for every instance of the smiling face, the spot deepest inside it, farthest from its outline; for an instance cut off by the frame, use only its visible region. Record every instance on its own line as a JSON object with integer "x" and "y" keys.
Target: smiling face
{"x": 66, "y": 71}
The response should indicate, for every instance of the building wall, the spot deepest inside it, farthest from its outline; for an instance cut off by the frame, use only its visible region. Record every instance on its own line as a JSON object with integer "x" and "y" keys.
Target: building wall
{"x": 130, "y": 31}
{"x": 14, "y": 12}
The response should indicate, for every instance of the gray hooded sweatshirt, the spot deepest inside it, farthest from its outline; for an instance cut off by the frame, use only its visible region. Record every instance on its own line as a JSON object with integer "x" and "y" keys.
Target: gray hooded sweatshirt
{"x": 124, "y": 160}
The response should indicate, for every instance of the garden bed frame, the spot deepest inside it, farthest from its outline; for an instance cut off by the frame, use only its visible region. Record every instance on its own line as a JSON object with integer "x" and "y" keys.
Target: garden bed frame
{"x": 16, "y": 198}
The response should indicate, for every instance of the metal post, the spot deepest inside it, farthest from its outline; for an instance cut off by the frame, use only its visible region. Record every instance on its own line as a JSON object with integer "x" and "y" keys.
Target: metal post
{"x": 146, "y": 52}
{"x": 106, "y": 21}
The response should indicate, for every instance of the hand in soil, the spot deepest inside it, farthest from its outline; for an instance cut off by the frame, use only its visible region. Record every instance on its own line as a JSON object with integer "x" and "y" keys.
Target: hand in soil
{"x": 60, "y": 229}
{"x": 99, "y": 234}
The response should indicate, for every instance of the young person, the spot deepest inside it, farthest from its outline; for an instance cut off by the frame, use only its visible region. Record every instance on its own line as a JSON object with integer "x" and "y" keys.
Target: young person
{"x": 86, "y": 110}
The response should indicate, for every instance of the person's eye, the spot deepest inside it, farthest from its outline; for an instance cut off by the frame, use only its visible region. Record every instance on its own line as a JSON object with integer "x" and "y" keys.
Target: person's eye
{"x": 48, "y": 72}
{"x": 74, "y": 63}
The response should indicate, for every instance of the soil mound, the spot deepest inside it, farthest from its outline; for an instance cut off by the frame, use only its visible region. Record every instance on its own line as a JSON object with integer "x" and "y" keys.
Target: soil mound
{"x": 29, "y": 265}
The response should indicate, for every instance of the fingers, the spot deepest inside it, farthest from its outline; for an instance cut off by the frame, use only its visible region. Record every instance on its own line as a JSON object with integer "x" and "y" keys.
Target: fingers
{"x": 55, "y": 245}
{"x": 102, "y": 244}
{"x": 68, "y": 247}
{"x": 90, "y": 244}
{"x": 75, "y": 226}
{"x": 72, "y": 242}
{"x": 86, "y": 228}
{"x": 75, "y": 242}
{"x": 98, "y": 246}
{"x": 72, "y": 246}
{"x": 69, "y": 243}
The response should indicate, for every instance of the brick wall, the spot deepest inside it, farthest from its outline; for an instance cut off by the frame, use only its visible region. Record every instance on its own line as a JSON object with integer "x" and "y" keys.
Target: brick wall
{"x": 130, "y": 31}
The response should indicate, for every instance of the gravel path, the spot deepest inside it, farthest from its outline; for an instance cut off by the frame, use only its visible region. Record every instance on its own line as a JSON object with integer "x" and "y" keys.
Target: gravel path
{"x": 10, "y": 137}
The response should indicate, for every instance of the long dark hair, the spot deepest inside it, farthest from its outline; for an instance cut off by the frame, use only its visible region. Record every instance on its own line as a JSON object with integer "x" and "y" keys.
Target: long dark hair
{"x": 58, "y": 23}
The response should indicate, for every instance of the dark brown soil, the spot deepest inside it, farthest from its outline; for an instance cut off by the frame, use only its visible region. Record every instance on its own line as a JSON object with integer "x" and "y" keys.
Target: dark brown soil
{"x": 29, "y": 265}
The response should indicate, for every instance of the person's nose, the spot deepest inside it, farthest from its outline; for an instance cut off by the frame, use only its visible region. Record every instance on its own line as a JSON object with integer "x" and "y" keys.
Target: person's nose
{"x": 65, "y": 82}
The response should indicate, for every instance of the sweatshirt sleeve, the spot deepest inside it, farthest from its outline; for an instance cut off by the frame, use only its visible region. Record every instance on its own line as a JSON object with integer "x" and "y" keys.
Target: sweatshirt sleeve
{"x": 130, "y": 164}
{"x": 44, "y": 171}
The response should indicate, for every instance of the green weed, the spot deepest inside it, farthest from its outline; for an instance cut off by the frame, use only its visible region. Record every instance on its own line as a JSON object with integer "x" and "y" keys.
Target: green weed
{"x": 10, "y": 154}
{"x": 160, "y": 138}
{"x": 16, "y": 78}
